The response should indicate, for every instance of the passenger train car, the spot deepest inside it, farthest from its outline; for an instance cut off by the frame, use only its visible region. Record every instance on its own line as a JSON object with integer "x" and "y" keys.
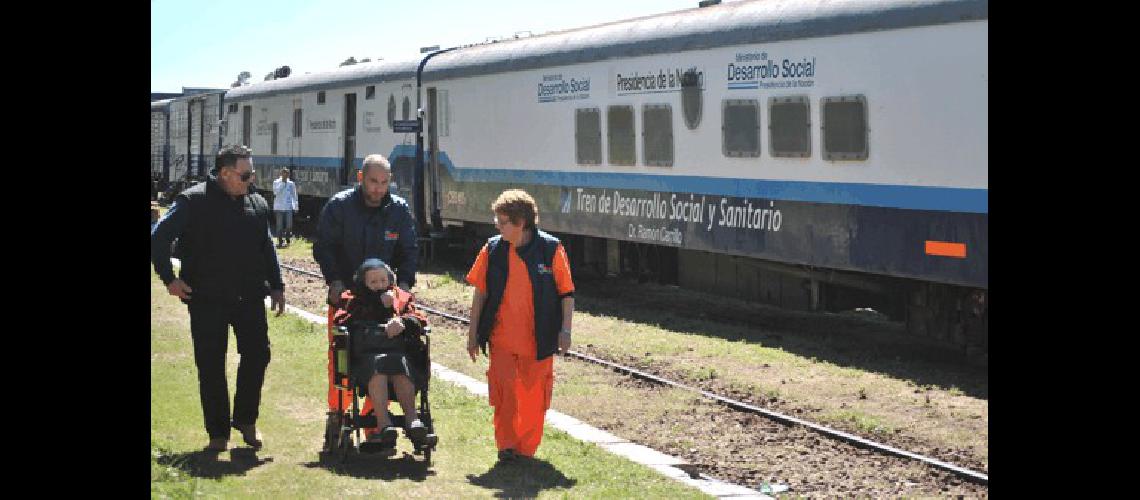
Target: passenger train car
{"x": 807, "y": 154}
{"x": 322, "y": 125}
{"x": 159, "y": 143}
{"x": 193, "y": 132}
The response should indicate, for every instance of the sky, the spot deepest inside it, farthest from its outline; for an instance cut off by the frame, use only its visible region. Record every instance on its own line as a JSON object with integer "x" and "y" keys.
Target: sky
{"x": 206, "y": 43}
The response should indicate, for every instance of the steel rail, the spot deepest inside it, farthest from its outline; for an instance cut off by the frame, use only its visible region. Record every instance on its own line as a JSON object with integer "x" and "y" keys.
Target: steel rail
{"x": 742, "y": 406}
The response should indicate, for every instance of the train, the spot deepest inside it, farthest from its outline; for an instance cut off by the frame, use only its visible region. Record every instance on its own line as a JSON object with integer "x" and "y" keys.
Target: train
{"x": 185, "y": 137}
{"x": 813, "y": 155}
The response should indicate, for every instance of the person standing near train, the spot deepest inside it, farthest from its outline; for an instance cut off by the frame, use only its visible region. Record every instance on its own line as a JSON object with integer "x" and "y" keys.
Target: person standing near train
{"x": 284, "y": 204}
{"x": 366, "y": 221}
{"x": 228, "y": 266}
{"x": 522, "y": 306}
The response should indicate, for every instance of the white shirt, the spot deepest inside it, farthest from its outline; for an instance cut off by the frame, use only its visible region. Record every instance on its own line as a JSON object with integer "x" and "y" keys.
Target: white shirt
{"x": 284, "y": 195}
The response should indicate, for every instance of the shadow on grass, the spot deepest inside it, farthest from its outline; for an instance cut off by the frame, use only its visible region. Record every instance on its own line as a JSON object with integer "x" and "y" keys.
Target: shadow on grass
{"x": 522, "y": 478}
{"x": 366, "y": 466}
{"x": 211, "y": 465}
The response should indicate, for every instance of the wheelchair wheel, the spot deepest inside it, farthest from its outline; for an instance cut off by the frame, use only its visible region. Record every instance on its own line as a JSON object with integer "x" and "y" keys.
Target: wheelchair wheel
{"x": 346, "y": 445}
{"x": 332, "y": 436}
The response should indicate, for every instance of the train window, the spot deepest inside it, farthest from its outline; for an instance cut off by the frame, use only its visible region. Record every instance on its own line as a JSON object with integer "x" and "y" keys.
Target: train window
{"x": 297, "y": 122}
{"x": 273, "y": 138}
{"x": 691, "y": 102}
{"x": 789, "y": 126}
{"x": 233, "y": 108}
{"x": 588, "y": 136}
{"x": 844, "y": 128}
{"x": 740, "y": 128}
{"x": 391, "y": 111}
{"x": 321, "y": 97}
{"x": 369, "y": 92}
{"x": 657, "y": 134}
{"x": 407, "y": 108}
{"x": 619, "y": 125}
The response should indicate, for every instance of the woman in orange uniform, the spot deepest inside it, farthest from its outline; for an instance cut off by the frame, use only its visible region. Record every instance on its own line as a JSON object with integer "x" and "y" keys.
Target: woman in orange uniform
{"x": 522, "y": 306}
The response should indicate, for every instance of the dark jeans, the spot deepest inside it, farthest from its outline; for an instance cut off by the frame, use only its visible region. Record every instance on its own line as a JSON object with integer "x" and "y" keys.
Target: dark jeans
{"x": 209, "y": 321}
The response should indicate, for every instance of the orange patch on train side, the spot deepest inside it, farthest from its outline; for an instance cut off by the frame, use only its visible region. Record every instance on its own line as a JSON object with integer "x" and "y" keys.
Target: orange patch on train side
{"x": 946, "y": 249}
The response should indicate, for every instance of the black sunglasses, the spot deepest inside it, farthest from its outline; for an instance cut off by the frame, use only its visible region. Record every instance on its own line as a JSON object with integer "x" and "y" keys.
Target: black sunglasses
{"x": 245, "y": 177}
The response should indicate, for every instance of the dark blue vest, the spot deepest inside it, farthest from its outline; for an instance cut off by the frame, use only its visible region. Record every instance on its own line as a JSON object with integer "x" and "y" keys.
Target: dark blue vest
{"x": 538, "y": 255}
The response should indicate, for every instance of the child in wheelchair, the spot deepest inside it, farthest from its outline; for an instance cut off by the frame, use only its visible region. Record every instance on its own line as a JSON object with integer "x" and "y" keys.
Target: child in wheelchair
{"x": 380, "y": 341}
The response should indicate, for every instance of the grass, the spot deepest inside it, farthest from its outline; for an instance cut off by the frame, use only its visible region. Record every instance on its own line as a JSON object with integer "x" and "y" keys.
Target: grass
{"x": 292, "y": 420}
{"x": 860, "y": 420}
{"x": 299, "y": 248}
{"x": 741, "y": 356}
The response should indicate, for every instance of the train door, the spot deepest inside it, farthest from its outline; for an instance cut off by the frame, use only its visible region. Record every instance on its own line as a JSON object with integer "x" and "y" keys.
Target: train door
{"x": 295, "y": 141}
{"x": 166, "y": 147}
{"x": 195, "y": 152}
{"x": 246, "y": 124}
{"x": 179, "y": 132}
{"x": 431, "y": 177}
{"x": 349, "y": 139}
{"x": 211, "y": 130}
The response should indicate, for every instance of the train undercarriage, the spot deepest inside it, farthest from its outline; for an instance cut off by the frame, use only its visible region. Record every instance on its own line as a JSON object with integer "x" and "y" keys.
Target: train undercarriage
{"x": 956, "y": 317}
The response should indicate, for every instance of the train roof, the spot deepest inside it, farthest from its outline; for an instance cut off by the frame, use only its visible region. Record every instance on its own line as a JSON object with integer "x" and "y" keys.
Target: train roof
{"x": 735, "y": 23}
{"x": 345, "y": 76}
{"x": 160, "y": 105}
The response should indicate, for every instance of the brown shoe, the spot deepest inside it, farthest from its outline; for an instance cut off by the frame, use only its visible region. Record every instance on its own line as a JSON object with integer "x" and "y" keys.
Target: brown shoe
{"x": 250, "y": 435}
{"x": 217, "y": 445}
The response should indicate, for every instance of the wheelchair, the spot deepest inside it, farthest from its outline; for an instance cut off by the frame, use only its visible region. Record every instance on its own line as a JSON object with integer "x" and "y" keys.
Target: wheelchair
{"x": 345, "y": 437}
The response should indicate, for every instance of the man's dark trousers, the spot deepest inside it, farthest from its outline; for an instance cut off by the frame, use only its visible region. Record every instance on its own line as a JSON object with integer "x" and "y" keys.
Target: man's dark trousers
{"x": 209, "y": 321}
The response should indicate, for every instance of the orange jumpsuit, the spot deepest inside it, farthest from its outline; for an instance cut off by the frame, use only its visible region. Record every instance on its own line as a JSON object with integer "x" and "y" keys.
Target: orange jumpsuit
{"x": 401, "y": 300}
{"x": 519, "y": 386}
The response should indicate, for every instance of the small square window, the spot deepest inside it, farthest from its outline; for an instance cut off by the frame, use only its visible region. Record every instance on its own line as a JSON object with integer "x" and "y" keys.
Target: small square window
{"x": 789, "y": 126}
{"x": 588, "y": 136}
{"x": 619, "y": 125}
{"x": 740, "y": 128}
{"x": 657, "y": 135}
{"x": 844, "y": 128}
{"x": 369, "y": 92}
{"x": 321, "y": 97}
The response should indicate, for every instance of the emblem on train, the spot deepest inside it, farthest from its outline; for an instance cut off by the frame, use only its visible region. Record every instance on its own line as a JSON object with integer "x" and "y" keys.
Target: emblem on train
{"x": 555, "y": 87}
{"x": 759, "y": 70}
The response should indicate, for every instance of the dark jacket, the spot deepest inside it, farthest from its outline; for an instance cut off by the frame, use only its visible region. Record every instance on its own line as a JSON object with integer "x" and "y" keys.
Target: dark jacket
{"x": 547, "y": 303}
{"x": 349, "y": 232}
{"x": 223, "y": 243}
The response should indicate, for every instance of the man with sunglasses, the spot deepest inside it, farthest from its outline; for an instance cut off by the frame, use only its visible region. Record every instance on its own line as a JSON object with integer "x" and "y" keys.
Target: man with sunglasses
{"x": 228, "y": 266}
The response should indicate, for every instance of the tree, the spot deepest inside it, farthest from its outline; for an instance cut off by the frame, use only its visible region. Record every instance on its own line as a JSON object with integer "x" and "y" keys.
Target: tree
{"x": 349, "y": 62}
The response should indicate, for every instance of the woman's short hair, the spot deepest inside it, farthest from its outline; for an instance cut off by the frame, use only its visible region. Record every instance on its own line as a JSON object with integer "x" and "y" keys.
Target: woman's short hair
{"x": 518, "y": 206}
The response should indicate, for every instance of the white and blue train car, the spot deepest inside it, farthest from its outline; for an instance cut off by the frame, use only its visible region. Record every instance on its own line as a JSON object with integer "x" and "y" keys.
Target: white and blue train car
{"x": 771, "y": 149}
{"x": 159, "y": 141}
{"x": 195, "y": 132}
{"x": 322, "y": 125}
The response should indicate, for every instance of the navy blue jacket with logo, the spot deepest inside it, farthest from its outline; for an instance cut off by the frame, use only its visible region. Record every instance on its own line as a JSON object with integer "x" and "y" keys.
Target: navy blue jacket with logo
{"x": 538, "y": 255}
{"x": 349, "y": 232}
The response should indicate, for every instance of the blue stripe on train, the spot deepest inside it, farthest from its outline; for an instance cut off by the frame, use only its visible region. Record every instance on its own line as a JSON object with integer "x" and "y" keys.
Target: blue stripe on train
{"x": 876, "y": 195}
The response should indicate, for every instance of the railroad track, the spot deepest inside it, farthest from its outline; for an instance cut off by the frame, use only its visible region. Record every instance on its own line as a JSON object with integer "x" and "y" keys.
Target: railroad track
{"x": 968, "y": 474}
